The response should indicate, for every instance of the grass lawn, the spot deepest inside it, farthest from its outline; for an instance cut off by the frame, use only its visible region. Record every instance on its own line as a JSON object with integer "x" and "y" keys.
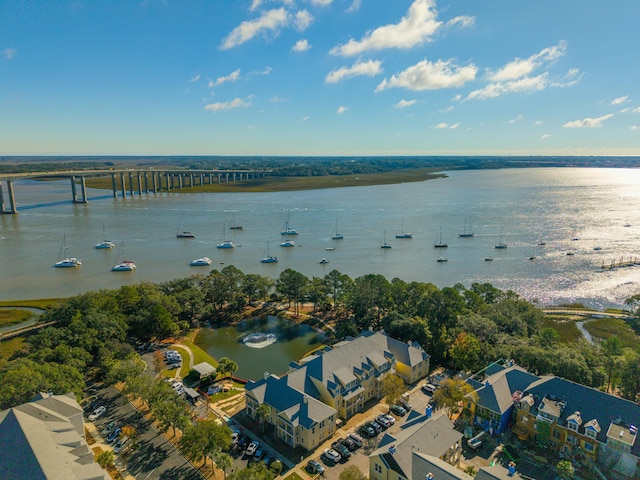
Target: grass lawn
{"x": 293, "y": 476}
{"x": 14, "y": 316}
{"x": 44, "y": 303}
{"x": 565, "y": 326}
{"x": 603, "y": 328}
{"x": 9, "y": 347}
{"x": 199, "y": 355}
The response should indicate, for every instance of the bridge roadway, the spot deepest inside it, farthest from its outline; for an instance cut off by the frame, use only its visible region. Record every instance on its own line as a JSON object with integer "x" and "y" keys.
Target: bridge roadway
{"x": 585, "y": 313}
{"x": 140, "y": 181}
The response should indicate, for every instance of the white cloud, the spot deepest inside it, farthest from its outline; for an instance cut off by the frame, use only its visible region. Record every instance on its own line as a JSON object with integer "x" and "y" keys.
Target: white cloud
{"x": 9, "y": 53}
{"x": 304, "y": 119}
{"x": 446, "y": 110}
{"x": 341, "y": 109}
{"x": 254, "y": 5}
{"x": 515, "y": 120}
{"x": 301, "y": 46}
{"x": 454, "y": 126}
{"x": 520, "y": 67}
{"x": 442, "y": 125}
{"x": 232, "y": 77}
{"x": 235, "y": 103}
{"x": 302, "y": 20}
{"x": 369, "y": 68}
{"x": 415, "y": 28}
{"x": 195, "y": 79}
{"x": 545, "y": 136}
{"x": 430, "y": 76}
{"x": 456, "y": 98}
{"x": 464, "y": 20}
{"x": 278, "y": 99}
{"x": 321, "y": 3}
{"x": 404, "y": 103}
{"x": 588, "y": 122}
{"x": 271, "y": 21}
{"x": 355, "y": 5}
{"x": 538, "y": 122}
{"x": 265, "y": 71}
{"x": 527, "y": 84}
{"x": 634, "y": 127}
{"x": 619, "y": 100}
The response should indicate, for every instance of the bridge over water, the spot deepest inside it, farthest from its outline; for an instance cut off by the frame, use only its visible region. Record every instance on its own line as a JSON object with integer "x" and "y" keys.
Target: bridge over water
{"x": 123, "y": 182}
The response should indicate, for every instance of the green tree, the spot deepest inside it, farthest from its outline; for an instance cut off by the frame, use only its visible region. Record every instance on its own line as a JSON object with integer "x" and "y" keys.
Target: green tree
{"x": 106, "y": 459}
{"x": 276, "y": 467}
{"x": 292, "y": 285}
{"x": 451, "y": 393}
{"x": 392, "y": 387}
{"x": 565, "y": 469}
{"x": 630, "y": 376}
{"x": 223, "y": 461}
{"x": 263, "y": 412}
{"x": 352, "y": 473}
{"x": 125, "y": 369}
{"x": 255, "y": 471}
{"x": 203, "y": 439}
{"x": 465, "y": 352}
{"x": 337, "y": 284}
{"x": 611, "y": 351}
{"x": 226, "y": 366}
{"x": 471, "y": 470}
{"x": 171, "y": 412}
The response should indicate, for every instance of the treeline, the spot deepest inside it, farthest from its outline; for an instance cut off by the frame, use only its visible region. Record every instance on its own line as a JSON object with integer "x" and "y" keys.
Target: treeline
{"x": 462, "y": 328}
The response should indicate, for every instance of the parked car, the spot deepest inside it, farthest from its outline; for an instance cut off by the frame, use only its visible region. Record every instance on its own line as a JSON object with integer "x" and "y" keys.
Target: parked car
{"x": 404, "y": 404}
{"x": 267, "y": 460}
{"x": 242, "y": 442}
{"x": 390, "y": 418}
{"x": 252, "y": 448}
{"x": 97, "y": 413}
{"x": 121, "y": 445}
{"x": 376, "y": 426}
{"x": 341, "y": 449}
{"x": 398, "y": 410}
{"x": 355, "y": 438}
{"x": 367, "y": 432}
{"x": 314, "y": 467}
{"x": 115, "y": 433}
{"x": 428, "y": 388}
{"x": 350, "y": 444}
{"x": 258, "y": 455}
{"x": 332, "y": 455}
{"x": 383, "y": 421}
{"x": 109, "y": 427}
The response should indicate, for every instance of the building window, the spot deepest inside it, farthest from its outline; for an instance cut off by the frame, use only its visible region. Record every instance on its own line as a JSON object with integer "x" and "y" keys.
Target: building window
{"x": 573, "y": 440}
{"x": 556, "y": 434}
{"x": 572, "y": 426}
{"x": 590, "y": 433}
{"x": 378, "y": 468}
{"x": 588, "y": 446}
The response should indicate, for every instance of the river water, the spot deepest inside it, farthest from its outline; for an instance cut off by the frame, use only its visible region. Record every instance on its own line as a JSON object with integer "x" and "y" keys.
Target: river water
{"x": 571, "y": 210}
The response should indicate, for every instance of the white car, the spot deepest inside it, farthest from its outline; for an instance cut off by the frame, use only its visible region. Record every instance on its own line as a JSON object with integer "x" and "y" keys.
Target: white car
{"x": 97, "y": 413}
{"x": 121, "y": 445}
{"x": 332, "y": 455}
{"x": 252, "y": 448}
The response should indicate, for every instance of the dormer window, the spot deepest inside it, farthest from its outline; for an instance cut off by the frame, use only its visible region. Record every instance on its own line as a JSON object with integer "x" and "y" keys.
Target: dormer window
{"x": 572, "y": 426}
{"x": 591, "y": 433}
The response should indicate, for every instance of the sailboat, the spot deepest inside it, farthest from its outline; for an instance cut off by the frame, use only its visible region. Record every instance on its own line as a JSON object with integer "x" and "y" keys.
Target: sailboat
{"x": 105, "y": 243}
{"x": 66, "y": 262}
{"x": 501, "y": 245}
{"x": 225, "y": 243}
{"x": 465, "y": 233}
{"x": 402, "y": 233}
{"x": 336, "y": 235}
{"x": 439, "y": 243}
{"x": 287, "y": 229}
{"x": 384, "y": 243}
{"x": 201, "y": 262}
{"x": 268, "y": 258}
{"x": 125, "y": 265}
{"x": 287, "y": 243}
{"x": 234, "y": 225}
{"x": 184, "y": 234}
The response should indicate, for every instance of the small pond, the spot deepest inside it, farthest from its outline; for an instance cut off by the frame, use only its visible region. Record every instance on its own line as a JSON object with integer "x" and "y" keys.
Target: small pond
{"x": 281, "y": 342}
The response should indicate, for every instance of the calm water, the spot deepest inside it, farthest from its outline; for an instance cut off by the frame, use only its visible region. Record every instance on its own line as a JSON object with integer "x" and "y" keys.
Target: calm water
{"x": 294, "y": 341}
{"x": 527, "y": 205}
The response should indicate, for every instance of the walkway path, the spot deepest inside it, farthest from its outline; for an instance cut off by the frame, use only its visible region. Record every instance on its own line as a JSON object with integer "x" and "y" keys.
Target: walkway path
{"x": 189, "y": 351}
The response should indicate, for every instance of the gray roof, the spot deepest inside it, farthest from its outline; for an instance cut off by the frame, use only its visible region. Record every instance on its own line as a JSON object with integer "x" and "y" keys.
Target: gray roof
{"x": 496, "y": 393}
{"x": 424, "y": 464}
{"x": 430, "y": 436}
{"x": 204, "y": 369}
{"x": 40, "y": 440}
{"x": 496, "y": 472}
{"x": 297, "y": 407}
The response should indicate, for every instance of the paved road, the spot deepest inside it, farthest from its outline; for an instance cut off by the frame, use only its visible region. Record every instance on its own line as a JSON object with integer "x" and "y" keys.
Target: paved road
{"x": 156, "y": 458}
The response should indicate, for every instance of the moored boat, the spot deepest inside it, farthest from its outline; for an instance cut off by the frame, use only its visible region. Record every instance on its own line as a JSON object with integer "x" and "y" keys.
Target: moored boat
{"x": 201, "y": 262}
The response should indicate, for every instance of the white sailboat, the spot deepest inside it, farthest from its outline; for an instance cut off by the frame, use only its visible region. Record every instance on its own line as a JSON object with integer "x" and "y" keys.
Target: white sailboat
{"x": 465, "y": 233}
{"x": 288, "y": 230}
{"x": 184, "y": 234}
{"x": 105, "y": 243}
{"x": 287, "y": 243}
{"x": 268, "y": 258}
{"x": 234, "y": 225}
{"x": 439, "y": 243}
{"x": 64, "y": 261}
{"x": 336, "y": 235}
{"x": 124, "y": 265}
{"x": 224, "y": 243}
{"x": 201, "y": 262}
{"x": 384, "y": 243}
{"x": 402, "y": 233}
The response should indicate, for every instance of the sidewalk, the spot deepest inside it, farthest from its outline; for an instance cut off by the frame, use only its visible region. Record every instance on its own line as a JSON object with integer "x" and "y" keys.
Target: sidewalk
{"x": 103, "y": 446}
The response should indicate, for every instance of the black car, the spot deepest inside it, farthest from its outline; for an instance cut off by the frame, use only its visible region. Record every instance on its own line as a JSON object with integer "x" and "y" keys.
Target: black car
{"x": 243, "y": 441}
{"x": 367, "y": 432}
{"x": 341, "y": 449}
{"x": 350, "y": 444}
{"x": 376, "y": 426}
{"x": 398, "y": 410}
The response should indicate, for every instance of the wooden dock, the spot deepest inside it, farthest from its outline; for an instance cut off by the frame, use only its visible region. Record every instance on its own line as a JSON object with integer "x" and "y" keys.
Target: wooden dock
{"x": 620, "y": 263}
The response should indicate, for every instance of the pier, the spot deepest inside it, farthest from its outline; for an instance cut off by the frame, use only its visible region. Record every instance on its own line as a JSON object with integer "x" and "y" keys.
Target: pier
{"x": 126, "y": 182}
{"x": 621, "y": 263}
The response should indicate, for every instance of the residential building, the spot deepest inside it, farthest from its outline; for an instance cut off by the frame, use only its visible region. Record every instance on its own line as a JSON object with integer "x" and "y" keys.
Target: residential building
{"x": 581, "y": 423}
{"x": 341, "y": 378}
{"x": 422, "y": 445}
{"x": 44, "y": 439}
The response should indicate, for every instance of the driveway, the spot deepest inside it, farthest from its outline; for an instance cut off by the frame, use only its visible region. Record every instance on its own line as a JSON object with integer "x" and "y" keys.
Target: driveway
{"x": 155, "y": 458}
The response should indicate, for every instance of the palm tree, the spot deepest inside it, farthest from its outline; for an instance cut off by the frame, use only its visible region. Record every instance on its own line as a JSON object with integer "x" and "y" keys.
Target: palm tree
{"x": 223, "y": 461}
{"x": 263, "y": 412}
{"x": 227, "y": 366}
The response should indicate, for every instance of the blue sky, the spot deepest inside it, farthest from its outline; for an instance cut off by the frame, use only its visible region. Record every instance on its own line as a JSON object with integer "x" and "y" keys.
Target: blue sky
{"x": 319, "y": 77}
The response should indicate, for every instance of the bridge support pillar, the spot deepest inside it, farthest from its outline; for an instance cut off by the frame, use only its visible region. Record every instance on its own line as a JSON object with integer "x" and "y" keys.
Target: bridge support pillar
{"x": 131, "y": 183}
{"x": 180, "y": 180}
{"x": 123, "y": 185}
{"x": 83, "y": 190}
{"x": 145, "y": 175}
{"x": 13, "y": 209}
{"x": 139, "y": 175}
{"x": 154, "y": 182}
{"x": 113, "y": 185}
